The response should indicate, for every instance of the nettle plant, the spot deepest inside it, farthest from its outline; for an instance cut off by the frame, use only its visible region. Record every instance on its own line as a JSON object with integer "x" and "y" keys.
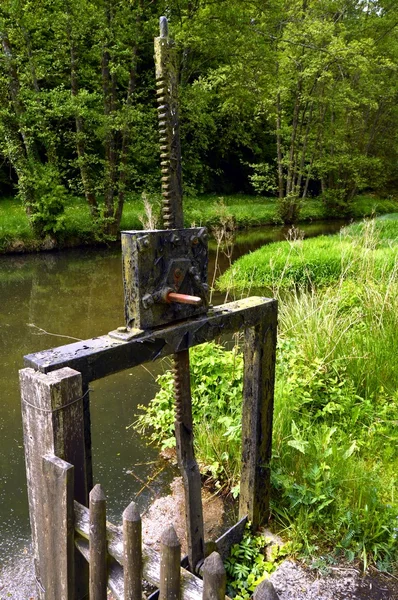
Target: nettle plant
{"x": 249, "y": 563}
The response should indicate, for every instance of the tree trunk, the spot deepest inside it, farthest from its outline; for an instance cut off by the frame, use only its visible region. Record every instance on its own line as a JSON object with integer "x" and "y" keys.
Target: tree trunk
{"x": 80, "y": 134}
{"x": 126, "y": 138}
{"x": 110, "y": 175}
{"x": 290, "y": 171}
{"x": 279, "y": 146}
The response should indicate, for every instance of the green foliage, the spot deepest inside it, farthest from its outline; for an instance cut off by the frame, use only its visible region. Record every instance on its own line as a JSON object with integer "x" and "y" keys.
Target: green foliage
{"x": 48, "y": 203}
{"x": 318, "y": 111}
{"x": 288, "y": 210}
{"x": 247, "y": 565}
{"x": 335, "y": 443}
{"x": 216, "y": 382}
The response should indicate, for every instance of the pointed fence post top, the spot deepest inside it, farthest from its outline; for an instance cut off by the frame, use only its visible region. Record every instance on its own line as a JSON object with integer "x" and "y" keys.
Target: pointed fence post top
{"x": 169, "y": 537}
{"x": 164, "y": 27}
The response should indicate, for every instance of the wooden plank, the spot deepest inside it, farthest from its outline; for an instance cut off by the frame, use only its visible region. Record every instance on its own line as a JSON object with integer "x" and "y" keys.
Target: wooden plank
{"x": 97, "y": 540}
{"x": 257, "y": 414}
{"x": 132, "y": 552}
{"x": 102, "y": 356}
{"x": 59, "y": 533}
{"x": 214, "y": 578}
{"x": 52, "y": 416}
{"x": 233, "y": 536}
{"x": 170, "y": 556}
{"x": 191, "y": 586}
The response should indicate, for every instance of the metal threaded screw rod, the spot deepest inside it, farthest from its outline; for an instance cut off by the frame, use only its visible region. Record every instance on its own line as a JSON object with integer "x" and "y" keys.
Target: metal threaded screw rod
{"x": 170, "y": 149}
{"x": 170, "y": 156}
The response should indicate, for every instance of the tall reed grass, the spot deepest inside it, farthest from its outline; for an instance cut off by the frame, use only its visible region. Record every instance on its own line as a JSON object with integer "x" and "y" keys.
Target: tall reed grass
{"x": 335, "y": 438}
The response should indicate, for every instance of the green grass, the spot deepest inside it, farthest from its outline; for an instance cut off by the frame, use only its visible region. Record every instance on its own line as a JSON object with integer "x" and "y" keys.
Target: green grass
{"x": 247, "y": 211}
{"x": 335, "y": 437}
{"x": 318, "y": 261}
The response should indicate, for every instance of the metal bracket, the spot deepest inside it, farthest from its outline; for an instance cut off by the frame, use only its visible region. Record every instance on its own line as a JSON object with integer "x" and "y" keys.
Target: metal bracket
{"x": 165, "y": 276}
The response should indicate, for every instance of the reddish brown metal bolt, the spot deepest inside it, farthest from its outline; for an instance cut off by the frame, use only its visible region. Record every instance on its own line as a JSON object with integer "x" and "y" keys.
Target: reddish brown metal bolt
{"x": 177, "y": 273}
{"x": 184, "y": 299}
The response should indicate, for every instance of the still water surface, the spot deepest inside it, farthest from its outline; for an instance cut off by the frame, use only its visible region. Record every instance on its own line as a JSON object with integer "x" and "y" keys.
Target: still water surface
{"x": 78, "y": 293}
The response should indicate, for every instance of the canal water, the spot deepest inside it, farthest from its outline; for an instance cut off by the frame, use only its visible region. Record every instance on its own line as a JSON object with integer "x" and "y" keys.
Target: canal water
{"x": 47, "y": 300}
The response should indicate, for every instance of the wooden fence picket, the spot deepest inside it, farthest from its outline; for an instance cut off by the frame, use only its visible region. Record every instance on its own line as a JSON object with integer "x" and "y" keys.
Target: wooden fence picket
{"x": 170, "y": 569}
{"x": 132, "y": 553}
{"x": 214, "y": 578}
{"x": 97, "y": 541}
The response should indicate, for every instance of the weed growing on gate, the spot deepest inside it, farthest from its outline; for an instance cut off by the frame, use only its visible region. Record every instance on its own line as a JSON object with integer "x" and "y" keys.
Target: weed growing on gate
{"x": 335, "y": 440}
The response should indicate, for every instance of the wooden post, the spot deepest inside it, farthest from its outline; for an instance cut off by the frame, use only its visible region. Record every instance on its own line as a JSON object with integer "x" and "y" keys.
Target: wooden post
{"x": 188, "y": 466}
{"x": 257, "y": 413}
{"x": 265, "y": 591}
{"x": 170, "y": 570}
{"x": 214, "y": 578}
{"x": 98, "y": 553}
{"x": 59, "y": 533}
{"x": 52, "y": 416}
{"x": 132, "y": 552}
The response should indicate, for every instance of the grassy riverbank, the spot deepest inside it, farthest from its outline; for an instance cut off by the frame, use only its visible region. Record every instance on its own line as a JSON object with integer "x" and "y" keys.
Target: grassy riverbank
{"x": 319, "y": 261}
{"x": 335, "y": 443}
{"x": 247, "y": 211}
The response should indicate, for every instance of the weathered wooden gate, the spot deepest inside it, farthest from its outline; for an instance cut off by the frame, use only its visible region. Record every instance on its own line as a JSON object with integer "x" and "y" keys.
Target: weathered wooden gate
{"x": 167, "y": 313}
{"x": 56, "y": 423}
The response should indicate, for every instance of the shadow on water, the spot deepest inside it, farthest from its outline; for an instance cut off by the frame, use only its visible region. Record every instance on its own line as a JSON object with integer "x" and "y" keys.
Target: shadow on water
{"x": 78, "y": 293}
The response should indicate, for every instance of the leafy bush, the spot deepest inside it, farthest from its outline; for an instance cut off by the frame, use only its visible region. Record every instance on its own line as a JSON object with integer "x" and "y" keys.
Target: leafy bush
{"x": 288, "y": 210}
{"x": 216, "y": 385}
{"x": 335, "y": 440}
{"x": 247, "y": 565}
{"x": 48, "y": 204}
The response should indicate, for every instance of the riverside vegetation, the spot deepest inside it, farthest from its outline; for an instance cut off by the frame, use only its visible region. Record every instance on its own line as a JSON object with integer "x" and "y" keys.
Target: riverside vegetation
{"x": 335, "y": 441}
{"x": 77, "y": 228}
{"x": 317, "y": 115}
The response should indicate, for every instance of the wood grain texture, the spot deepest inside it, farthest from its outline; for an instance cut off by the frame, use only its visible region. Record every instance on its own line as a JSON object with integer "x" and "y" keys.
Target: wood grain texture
{"x": 170, "y": 557}
{"x": 104, "y": 355}
{"x": 214, "y": 578}
{"x": 52, "y": 417}
{"x": 191, "y": 586}
{"x": 132, "y": 552}
{"x": 257, "y": 415}
{"x": 98, "y": 544}
{"x": 58, "y": 534}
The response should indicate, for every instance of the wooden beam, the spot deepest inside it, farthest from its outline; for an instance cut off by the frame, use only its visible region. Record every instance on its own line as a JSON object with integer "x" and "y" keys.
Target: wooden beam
{"x": 58, "y": 534}
{"x": 52, "y": 417}
{"x": 257, "y": 415}
{"x": 104, "y": 355}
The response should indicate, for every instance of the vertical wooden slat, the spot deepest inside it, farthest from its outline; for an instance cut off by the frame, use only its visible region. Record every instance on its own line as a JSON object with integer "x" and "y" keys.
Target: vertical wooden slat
{"x": 98, "y": 555}
{"x": 187, "y": 463}
{"x": 59, "y": 533}
{"x": 214, "y": 578}
{"x": 257, "y": 414}
{"x": 132, "y": 552}
{"x": 170, "y": 570}
{"x": 52, "y": 417}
